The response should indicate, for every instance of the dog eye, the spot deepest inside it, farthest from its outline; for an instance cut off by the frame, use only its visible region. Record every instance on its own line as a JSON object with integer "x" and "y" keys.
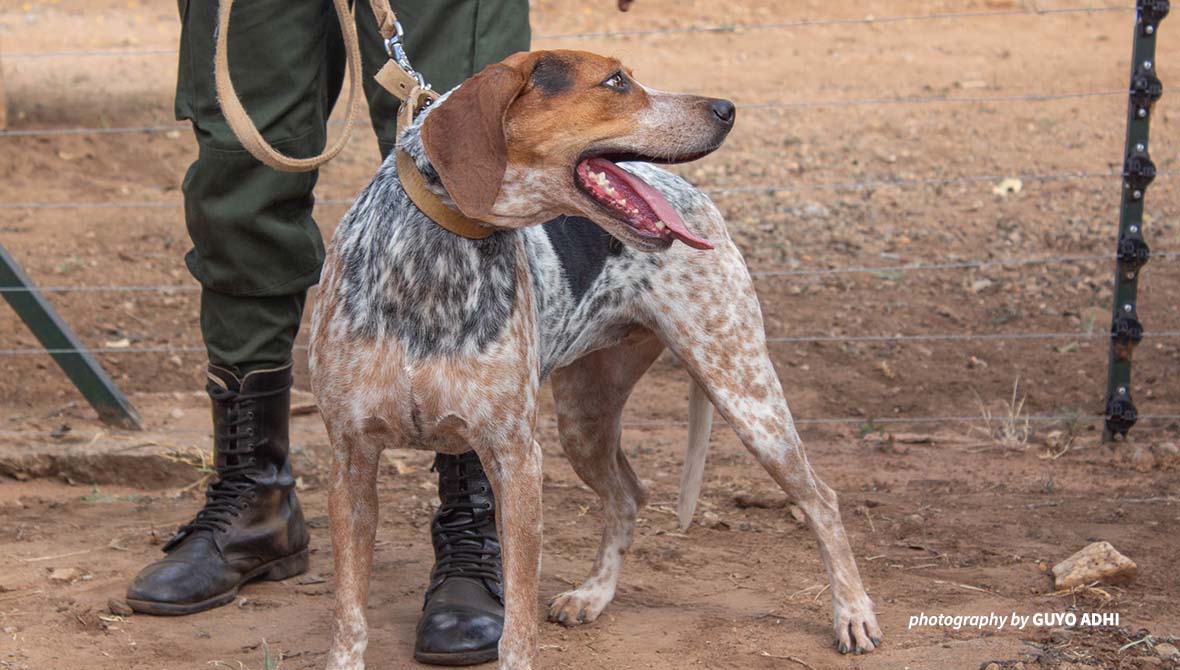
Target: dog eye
{"x": 617, "y": 81}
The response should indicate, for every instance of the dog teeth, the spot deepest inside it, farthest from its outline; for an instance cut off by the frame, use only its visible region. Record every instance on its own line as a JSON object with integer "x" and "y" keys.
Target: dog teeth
{"x": 661, "y": 225}
{"x": 600, "y": 179}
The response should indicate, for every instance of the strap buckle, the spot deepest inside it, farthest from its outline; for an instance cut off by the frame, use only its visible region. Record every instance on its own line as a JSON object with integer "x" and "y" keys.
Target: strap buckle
{"x": 395, "y": 47}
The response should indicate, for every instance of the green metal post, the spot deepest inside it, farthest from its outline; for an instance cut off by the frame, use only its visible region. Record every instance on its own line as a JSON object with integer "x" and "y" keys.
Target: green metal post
{"x": 1138, "y": 172}
{"x": 88, "y": 376}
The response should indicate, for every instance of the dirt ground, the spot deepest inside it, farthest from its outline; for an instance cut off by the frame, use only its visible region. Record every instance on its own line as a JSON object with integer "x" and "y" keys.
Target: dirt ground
{"x": 943, "y": 518}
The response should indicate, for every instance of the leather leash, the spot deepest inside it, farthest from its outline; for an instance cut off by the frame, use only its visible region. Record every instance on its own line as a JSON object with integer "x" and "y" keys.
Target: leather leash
{"x": 396, "y": 76}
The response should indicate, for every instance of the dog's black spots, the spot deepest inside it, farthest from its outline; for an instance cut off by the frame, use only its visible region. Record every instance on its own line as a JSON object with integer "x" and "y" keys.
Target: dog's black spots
{"x": 403, "y": 276}
{"x": 552, "y": 75}
{"x": 582, "y": 248}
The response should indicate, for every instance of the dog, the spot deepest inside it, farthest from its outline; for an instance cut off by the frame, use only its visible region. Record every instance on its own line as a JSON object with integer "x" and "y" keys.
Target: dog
{"x": 424, "y": 339}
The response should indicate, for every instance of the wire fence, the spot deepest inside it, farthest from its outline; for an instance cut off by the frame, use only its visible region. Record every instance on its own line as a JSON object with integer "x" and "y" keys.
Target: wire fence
{"x": 771, "y": 105}
{"x": 718, "y": 190}
{"x": 885, "y": 271}
{"x": 885, "y": 182}
{"x": 652, "y": 32}
{"x": 804, "y": 339}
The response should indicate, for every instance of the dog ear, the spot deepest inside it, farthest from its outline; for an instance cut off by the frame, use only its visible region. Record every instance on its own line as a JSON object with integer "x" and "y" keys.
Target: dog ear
{"x": 464, "y": 137}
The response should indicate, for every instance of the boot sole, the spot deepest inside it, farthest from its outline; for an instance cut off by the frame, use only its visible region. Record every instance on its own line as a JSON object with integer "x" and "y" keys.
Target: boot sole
{"x": 458, "y": 658}
{"x": 276, "y": 570}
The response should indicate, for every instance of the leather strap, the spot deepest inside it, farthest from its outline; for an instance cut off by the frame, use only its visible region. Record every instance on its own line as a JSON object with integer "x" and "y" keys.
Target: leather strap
{"x": 392, "y": 76}
{"x": 239, "y": 121}
{"x": 414, "y": 185}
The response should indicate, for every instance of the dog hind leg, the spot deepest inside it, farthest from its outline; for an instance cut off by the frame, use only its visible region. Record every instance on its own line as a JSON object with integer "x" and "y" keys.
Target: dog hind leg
{"x": 590, "y": 394}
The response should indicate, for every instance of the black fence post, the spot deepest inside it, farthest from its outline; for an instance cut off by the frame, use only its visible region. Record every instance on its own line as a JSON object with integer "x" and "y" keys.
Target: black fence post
{"x": 1133, "y": 253}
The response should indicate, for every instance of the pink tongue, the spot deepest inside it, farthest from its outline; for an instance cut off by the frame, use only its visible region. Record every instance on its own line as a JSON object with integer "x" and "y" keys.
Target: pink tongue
{"x": 658, "y": 204}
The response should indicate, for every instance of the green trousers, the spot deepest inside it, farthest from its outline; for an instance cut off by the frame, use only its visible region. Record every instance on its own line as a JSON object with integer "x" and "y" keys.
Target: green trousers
{"x": 256, "y": 248}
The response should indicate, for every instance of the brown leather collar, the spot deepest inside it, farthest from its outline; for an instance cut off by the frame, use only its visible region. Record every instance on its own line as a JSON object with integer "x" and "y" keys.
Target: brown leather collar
{"x": 414, "y": 184}
{"x": 452, "y": 219}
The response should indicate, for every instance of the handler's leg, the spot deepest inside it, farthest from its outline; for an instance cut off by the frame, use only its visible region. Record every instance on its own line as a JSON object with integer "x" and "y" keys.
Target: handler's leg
{"x": 256, "y": 252}
{"x": 463, "y": 615}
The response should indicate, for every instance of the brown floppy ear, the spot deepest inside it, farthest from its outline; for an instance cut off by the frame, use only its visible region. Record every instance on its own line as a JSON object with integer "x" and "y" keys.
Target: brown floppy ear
{"x": 464, "y": 137}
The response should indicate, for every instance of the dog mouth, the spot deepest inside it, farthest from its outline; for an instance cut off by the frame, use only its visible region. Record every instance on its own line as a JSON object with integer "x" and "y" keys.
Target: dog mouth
{"x": 634, "y": 202}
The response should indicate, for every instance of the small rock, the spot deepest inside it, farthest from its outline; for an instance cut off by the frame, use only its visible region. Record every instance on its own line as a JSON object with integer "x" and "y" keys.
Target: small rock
{"x": 1097, "y": 562}
{"x": 1008, "y": 187}
{"x": 745, "y": 500}
{"x": 1135, "y": 456}
{"x": 65, "y": 575}
{"x": 712, "y": 520}
{"x": 912, "y": 524}
{"x": 1055, "y": 439}
{"x": 1167, "y": 455}
{"x": 814, "y": 210}
{"x": 992, "y": 666}
{"x": 913, "y": 438}
{"x": 118, "y": 607}
{"x": 797, "y": 514}
{"x": 974, "y": 363}
{"x": 1060, "y": 635}
{"x": 176, "y": 413}
{"x": 1168, "y": 651}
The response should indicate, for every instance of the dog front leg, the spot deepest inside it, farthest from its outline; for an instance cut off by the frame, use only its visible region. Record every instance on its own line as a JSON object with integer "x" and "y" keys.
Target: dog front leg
{"x": 514, "y": 469}
{"x": 352, "y": 511}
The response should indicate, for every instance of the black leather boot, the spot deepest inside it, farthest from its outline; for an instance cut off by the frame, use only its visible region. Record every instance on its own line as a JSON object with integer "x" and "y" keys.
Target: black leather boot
{"x": 464, "y": 612}
{"x": 251, "y": 526}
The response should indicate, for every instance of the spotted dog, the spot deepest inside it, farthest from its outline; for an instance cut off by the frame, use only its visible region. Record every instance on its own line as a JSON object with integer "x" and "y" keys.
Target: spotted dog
{"x": 424, "y": 339}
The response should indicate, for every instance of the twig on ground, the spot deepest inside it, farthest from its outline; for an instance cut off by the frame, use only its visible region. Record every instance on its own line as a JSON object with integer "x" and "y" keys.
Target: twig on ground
{"x": 792, "y": 659}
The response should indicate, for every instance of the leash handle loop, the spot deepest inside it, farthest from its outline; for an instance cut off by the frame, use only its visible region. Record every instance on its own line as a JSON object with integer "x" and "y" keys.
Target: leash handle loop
{"x": 403, "y": 83}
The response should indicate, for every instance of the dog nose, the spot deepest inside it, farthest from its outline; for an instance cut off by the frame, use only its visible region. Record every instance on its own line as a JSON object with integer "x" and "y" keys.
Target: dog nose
{"x": 723, "y": 110}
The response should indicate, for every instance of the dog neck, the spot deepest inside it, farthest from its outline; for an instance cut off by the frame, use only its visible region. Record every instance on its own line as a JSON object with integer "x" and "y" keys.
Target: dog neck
{"x": 408, "y": 278}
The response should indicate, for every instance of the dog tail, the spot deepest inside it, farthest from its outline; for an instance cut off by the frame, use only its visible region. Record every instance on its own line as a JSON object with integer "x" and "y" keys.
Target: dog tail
{"x": 700, "y": 426}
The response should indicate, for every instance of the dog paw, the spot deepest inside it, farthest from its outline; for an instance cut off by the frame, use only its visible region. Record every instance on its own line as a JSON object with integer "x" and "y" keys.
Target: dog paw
{"x": 574, "y": 608}
{"x": 856, "y": 628}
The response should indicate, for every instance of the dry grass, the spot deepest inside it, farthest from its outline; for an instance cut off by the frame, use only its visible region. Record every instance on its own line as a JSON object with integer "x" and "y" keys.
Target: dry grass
{"x": 1011, "y": 427}
{"x": 269, "y": 661}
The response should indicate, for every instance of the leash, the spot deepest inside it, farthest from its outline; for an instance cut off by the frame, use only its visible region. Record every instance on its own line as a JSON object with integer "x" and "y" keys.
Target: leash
{"x": 397, "y": 76}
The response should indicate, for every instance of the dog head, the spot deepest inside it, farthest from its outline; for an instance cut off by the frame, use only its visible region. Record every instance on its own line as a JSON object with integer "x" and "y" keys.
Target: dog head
{"x": 540, "y": 134}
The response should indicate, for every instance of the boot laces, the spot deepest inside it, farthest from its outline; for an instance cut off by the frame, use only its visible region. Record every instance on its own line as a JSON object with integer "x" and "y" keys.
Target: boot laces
{"x": 465, "y": 540}
{"x": 233, "y": 489}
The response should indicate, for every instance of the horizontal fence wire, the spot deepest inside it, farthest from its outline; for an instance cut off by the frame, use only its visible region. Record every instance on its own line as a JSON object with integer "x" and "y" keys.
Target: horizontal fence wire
{"x": 787, "y": 272}
{"x": 864, "y": 421}
{"x": 955, "y": 265}
{"x": 933, "y": 337}
{"x": 893, "y": 420}
{"x": 757, "y": 106}
{"x": 720, "y": 28}
{"x": 961, "y": 337}
{"x": 715, "y": 190}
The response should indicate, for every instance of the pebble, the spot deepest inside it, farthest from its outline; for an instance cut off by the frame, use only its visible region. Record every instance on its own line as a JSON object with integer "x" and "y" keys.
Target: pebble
{"x": 1135, "y": 457}
{"x": 1168, "y": 651}
{"x": 1167, "y": 455}
{"x": 1096, "y": 562}
{"x": 118, "y": 607}
{"x": 65, "y": 575}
